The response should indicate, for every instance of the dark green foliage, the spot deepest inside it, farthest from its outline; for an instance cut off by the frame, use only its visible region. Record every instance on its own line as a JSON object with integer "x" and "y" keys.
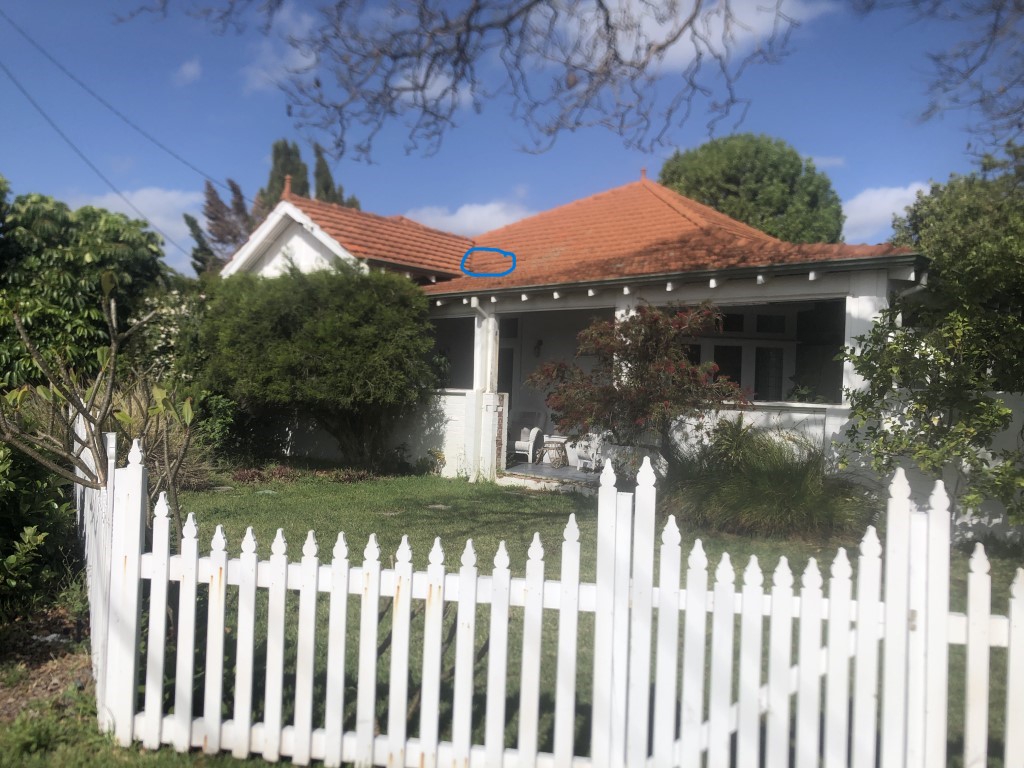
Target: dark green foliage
{"x": 750, "y": 481}
{"x": 56, "y": 267}
{"x": 348, "y": 348}
{"x": 937, "y": 359}
{"x": 37, "y": 542}
{"x": 286, "y": 160}
{"x": 204, "y": 260}
{"x": 324, "y": 181}
{"x": 763, "y": 182}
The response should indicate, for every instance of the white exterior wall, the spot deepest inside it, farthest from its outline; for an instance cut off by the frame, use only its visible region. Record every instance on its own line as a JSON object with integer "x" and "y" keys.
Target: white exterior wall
{"x": 298, "y": 246}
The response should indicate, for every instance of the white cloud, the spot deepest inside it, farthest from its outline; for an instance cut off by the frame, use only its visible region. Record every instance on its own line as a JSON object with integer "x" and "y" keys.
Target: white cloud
{"x": 163, "y": 208}
{"x": 869, "y": 213}
{"x": 471, "y": 218}
{"x": 828, "y": 161}
{"x": 275, "y": 58}
{"x": 721, "y": 29}
{"x": 188, "y": 72}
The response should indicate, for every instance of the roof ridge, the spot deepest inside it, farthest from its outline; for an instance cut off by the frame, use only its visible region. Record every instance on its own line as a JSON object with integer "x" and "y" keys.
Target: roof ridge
{"x": 717, "y": 219}
{"x": 571, "y": 204}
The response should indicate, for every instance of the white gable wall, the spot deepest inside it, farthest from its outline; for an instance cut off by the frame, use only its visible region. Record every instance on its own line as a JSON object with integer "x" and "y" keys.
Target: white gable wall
{"x": 295, "y": 245}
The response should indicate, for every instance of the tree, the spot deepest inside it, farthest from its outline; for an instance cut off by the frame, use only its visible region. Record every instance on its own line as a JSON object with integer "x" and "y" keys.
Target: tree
{"x": 760, "y": 181}
{"x": 324, "y": 181}
{"x": 643, "y": 382}
{"x": 228, "y": 226}
{"x": 937, "y": 359}
{"x": 56, "y": 267}
{"x": 204, "y": 260}
{"x": 353, "y": 350}
{"x": 286, "y": 160}
{"x": 638, "y": 69}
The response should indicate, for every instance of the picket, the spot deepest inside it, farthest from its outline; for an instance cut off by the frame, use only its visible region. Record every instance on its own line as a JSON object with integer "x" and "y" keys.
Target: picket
{"x": 306, "y": 652}
{"x": 641, "y": 595}
{"x": 780, "y": 637}
{"x": 366, "y": 688}
{"x": 681, "y": 716}
{"x": 497, "y": 665}
{"x": 667, "y": 648}
{"x": 837, "y": 684}
{"x": 864, "y": 726}
{"x": 465, "y": 652}
{"x": 894, "y": 661}
{"x": 529, "y": 681}
{"x": 979, "y": 597}
{"x": 276, "y": 605}
{"x": 214, "y": 672}
{"x": 722, "y": 622}
{"x": 568, "y": 616}
{"x": 186, "y": 638}
{"x": 808, "y": 699}
{"x": 398, "y": 693}
{"x": 431, "y": 685}
{"x": 691, "y": 712}
{"x": 152, "y": 725}
{"x": 1013, "y": 756}
{"x": 337, "y": 623}
{"x": 748, "y": 726}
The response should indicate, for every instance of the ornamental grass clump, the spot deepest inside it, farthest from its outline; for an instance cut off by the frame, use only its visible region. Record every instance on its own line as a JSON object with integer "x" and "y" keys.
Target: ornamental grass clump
{"x": 752, "y": 481}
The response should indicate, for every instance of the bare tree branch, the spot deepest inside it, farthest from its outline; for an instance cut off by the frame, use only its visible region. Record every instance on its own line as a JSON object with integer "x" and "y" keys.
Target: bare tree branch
{"x": 983, "y": 72}
{"x": 635, "y": 67}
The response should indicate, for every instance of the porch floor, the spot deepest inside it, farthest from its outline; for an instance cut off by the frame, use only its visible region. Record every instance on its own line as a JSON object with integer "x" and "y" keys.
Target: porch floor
{"x": 546, "y": 477}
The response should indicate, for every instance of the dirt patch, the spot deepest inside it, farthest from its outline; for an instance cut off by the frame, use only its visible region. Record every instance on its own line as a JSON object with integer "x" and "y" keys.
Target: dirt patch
{"x": 40, "y": 657}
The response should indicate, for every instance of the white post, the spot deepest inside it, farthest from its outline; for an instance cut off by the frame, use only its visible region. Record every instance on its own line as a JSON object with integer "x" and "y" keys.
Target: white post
{"x": 99, "y": 510}
{"x": 894, "y": 661}
{"x": 937, "y": 629}
{"x": 641, "y": 600}
{"x": 867, "y": 297}
{"x": 125, "y": 590}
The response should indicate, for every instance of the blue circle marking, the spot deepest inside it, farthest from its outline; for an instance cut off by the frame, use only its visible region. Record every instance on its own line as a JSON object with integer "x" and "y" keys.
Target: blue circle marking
{"x": 471, "y": 273}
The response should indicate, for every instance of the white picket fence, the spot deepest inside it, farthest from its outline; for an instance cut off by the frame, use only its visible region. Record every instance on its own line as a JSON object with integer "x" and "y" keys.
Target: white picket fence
{"x": 867, "y": 684}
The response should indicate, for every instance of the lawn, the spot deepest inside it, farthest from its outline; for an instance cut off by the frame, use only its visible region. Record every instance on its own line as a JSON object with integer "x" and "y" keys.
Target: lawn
{"x": 61, "y": 731}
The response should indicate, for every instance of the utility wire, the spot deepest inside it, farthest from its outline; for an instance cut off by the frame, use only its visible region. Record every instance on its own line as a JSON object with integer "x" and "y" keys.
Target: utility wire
{"x": 124, "y": 118}
{"x": 81, "y": 154}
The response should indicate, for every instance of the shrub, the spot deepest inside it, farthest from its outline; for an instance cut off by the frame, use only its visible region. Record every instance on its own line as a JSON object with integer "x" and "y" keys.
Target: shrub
{"x": 37, "y": 541}
{"x": 745, "y": 480}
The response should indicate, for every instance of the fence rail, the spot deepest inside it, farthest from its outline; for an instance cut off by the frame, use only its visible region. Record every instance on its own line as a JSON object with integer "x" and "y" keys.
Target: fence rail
{"x": 703, "y": 670}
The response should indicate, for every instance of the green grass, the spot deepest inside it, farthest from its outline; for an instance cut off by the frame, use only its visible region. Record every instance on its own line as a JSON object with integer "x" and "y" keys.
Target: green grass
{"x": 422, "y": 508}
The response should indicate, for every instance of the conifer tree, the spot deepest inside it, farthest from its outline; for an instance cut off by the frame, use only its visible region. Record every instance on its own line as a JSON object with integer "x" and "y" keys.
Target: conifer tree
{"x": 324, "y": 183}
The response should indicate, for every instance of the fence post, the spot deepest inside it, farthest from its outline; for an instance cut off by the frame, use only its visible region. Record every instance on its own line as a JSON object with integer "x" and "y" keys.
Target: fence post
{"x": 642, "y": 591}
{"x": 604, "y": 618}
{"x": 937, "y": 629}
{"x": 98, "y": 512}
{"x": 129, "y": 512}
{"x": 894, "y": 662}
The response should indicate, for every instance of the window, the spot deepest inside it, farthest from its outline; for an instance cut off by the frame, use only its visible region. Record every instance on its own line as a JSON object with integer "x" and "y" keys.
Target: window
{"x": 508, "y": 328}
{"x": 774, "y": 324}
{"x": 768, "y": 373}
{"x": 732, "y": 323}
{"x": 729, "y": 359}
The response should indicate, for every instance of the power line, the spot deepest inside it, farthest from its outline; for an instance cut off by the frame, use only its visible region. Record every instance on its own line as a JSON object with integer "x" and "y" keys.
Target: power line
{"x": 86, "y": 160}
{"x": 123, "y": 117}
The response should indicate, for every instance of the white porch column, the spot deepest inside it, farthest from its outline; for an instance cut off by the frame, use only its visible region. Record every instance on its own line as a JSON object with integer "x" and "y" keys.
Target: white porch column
{"x": 482, "y": 429}
{"x": 868, "y": 296}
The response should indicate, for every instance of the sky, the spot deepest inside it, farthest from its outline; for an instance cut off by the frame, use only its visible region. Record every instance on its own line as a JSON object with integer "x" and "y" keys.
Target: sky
{"x": 849, "y": 96}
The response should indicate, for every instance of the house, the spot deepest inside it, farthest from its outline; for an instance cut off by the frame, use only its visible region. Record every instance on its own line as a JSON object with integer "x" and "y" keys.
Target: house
{"x": 789, "y": 309}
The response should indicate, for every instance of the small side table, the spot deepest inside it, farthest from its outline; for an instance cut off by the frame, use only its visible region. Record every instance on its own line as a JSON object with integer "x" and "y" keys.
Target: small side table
{"x": 554, "y": 449}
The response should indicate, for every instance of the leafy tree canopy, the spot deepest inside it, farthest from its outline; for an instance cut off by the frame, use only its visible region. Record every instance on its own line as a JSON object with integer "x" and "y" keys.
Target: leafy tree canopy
{"x": 936, "y": 359}
{"x": 351, "y": 349}
{"x": 763, "y": 182}
{"x": 642, "y": 383}
{"x": 56, "y": 267}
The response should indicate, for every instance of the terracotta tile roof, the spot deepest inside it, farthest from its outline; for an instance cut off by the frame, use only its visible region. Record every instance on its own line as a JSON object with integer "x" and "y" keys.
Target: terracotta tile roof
{"x": 391, "y": 239}
{"x": 639, "y": 229}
